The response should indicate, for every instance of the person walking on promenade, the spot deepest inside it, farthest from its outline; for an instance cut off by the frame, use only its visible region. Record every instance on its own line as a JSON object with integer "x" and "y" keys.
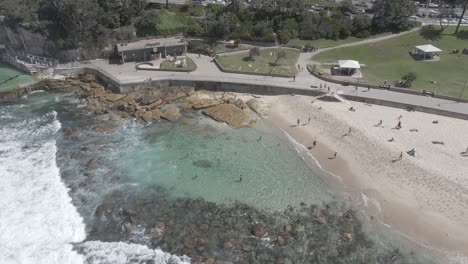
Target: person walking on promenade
{"x": 401, "y": 156}
{"x": 294, "y": 78}
{"x": 308, "y": 122}
{"x": 298, "y": 121}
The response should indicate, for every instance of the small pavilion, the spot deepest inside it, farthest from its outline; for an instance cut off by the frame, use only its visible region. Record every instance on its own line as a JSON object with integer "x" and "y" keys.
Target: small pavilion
{"x": 348, "y": 67}
{"x": 426, "y": 52}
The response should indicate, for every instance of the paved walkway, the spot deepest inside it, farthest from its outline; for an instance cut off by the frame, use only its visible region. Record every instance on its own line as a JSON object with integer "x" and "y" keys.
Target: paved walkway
{"x": 208, "y": 71}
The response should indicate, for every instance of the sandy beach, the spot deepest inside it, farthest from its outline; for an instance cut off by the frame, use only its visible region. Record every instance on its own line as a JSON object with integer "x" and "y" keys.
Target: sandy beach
{"x": 425, "y": 197}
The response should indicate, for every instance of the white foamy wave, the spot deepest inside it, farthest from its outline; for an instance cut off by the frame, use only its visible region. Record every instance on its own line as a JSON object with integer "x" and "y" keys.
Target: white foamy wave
{"x": 37, "y": 220}
{"x": 96, "y": 252}
{"x": 302, "y": 150}
{"x": 458, "y": 259}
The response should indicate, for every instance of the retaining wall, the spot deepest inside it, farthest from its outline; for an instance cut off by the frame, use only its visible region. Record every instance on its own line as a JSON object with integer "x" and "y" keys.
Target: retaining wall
{"x": 118, "y": 87}
{"x": 311, "y": 69}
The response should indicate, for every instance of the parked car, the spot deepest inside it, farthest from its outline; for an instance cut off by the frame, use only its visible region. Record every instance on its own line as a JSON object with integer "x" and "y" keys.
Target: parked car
{"x": 432, "y": 5}
{"x": 413, "y": 17}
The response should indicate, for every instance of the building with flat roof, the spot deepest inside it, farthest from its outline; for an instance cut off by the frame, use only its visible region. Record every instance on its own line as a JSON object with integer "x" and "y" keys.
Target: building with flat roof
{"x": 150, "y": 49}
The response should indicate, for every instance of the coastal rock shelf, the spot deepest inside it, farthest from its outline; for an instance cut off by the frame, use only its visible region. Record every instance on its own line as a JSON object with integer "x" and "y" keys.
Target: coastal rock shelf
{"x": 152, "y": 104}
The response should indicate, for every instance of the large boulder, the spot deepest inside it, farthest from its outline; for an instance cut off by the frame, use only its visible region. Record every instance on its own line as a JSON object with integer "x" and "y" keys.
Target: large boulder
{"x": 255, "y": 106}
{"x": 152, "y": 115}
{"x": 148, "y": 99}
{"x": 228, "y": 113}
{"x": 171, "y": 113}
{"x": 258, "y": 230}
{"x": 200, "y": 103}
{"x": 171, "y": 94}
{"x": 113, "y": 97}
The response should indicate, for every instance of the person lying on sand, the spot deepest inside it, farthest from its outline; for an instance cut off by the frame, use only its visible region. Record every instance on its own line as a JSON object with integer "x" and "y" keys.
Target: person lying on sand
{"x": 379, "y": 123}
{"x": 334, "y": 155}
{"x": 412, "y": 152}
{"x": 352, "y": 109}
{"x": 414, "y": 130}
{"x": 391, "y": 140}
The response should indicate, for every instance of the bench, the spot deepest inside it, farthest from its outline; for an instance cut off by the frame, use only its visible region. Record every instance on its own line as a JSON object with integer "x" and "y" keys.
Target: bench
{"x": 429, "y": 93}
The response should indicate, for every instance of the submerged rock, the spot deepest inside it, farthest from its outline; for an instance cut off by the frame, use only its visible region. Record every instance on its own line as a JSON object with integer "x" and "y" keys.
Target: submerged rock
{"x": 202, "y": 164}
{"x": 228, "y": 113}
{"x": 171, "y": 113}
{"x": 258, "y": 230}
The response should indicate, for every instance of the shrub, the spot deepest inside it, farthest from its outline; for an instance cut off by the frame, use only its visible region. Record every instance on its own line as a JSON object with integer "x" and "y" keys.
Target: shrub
{"x": 408, "y": 79}
{"x": 308, "y": 47}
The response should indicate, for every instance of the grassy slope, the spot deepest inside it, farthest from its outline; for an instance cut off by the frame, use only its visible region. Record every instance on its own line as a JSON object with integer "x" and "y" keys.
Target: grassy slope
{"x": 168, "y": 65}
{"x": 262, "y": 63}
{"x": 389, "y": 60}
{"x": 170, "y": 23}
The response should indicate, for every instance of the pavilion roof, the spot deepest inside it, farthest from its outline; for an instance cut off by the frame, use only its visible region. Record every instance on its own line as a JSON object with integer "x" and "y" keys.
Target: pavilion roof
{"x": 428, "y": 48}
{"x": 350, "y": 64}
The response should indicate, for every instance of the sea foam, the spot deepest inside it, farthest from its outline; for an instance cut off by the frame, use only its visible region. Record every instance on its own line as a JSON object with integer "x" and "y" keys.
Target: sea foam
{"x": 37, "y": 220}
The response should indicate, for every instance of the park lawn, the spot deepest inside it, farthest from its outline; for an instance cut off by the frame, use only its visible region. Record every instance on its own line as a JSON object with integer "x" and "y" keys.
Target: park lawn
{"x": 390, "y": 60}
{"x": 171, "y": 66}
{"x": 262, "y": 64}
{"x": 325, "y": 43}
{"x": 221, "y": 48}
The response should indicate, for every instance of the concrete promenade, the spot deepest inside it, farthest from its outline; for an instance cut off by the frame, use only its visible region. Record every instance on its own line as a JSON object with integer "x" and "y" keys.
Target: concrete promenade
{"x": 208, "y": 71}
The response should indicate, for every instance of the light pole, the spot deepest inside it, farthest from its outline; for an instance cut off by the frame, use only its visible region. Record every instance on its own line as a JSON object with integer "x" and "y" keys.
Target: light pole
{"x": 466, "y": 83}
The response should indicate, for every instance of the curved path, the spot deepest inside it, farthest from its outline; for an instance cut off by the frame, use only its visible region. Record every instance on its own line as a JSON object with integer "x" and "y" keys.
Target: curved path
{"x": 208, "y": 71}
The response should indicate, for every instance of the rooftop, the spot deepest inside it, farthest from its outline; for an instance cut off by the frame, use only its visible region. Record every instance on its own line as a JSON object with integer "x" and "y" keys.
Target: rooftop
{"x": 428, "y": 48}
{"x": 150, "y": 43}
{"x": 349, "y": 64}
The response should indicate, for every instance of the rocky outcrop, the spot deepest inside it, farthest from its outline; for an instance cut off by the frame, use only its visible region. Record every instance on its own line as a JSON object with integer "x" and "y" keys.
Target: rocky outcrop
{"x": 150, "y": 104}
{"x": 255, "y": 106}
{"x": 201, "y": 103}
{"x": 171, "y": 113}
{"x": 228, "y": 113}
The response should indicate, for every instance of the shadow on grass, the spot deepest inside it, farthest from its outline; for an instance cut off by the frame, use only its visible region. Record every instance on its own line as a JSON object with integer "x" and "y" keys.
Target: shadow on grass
{"x": 431, "y": 33}
{"x": 462, "y": 34}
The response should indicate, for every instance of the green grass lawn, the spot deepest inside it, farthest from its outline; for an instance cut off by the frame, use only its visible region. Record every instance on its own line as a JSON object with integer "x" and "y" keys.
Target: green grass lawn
{"x": 221, "y": 48}
{"x": 7, "y": 72}
{"x": 325, "y": 43}
{"x": 263, "y": 63}
{"x": 390, "y": 60}
{"x": 171, "y": 66}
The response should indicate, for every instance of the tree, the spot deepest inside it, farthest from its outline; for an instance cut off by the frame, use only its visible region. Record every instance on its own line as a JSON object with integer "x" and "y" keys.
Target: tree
{"x": 146, "y": 25}
{"x": 444, "y": 13}
{"x": 227, "y": 23}
{"x": 361, "y": 26}
{"x": 464, "y": 7}
{"x": 392, "y": 15}
{"x": 255, "y": 51}
{"x": 346, "y": 6}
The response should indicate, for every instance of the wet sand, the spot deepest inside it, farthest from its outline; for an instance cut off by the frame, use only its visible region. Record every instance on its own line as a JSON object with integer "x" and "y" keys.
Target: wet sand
{"x": 424, "y": 197}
